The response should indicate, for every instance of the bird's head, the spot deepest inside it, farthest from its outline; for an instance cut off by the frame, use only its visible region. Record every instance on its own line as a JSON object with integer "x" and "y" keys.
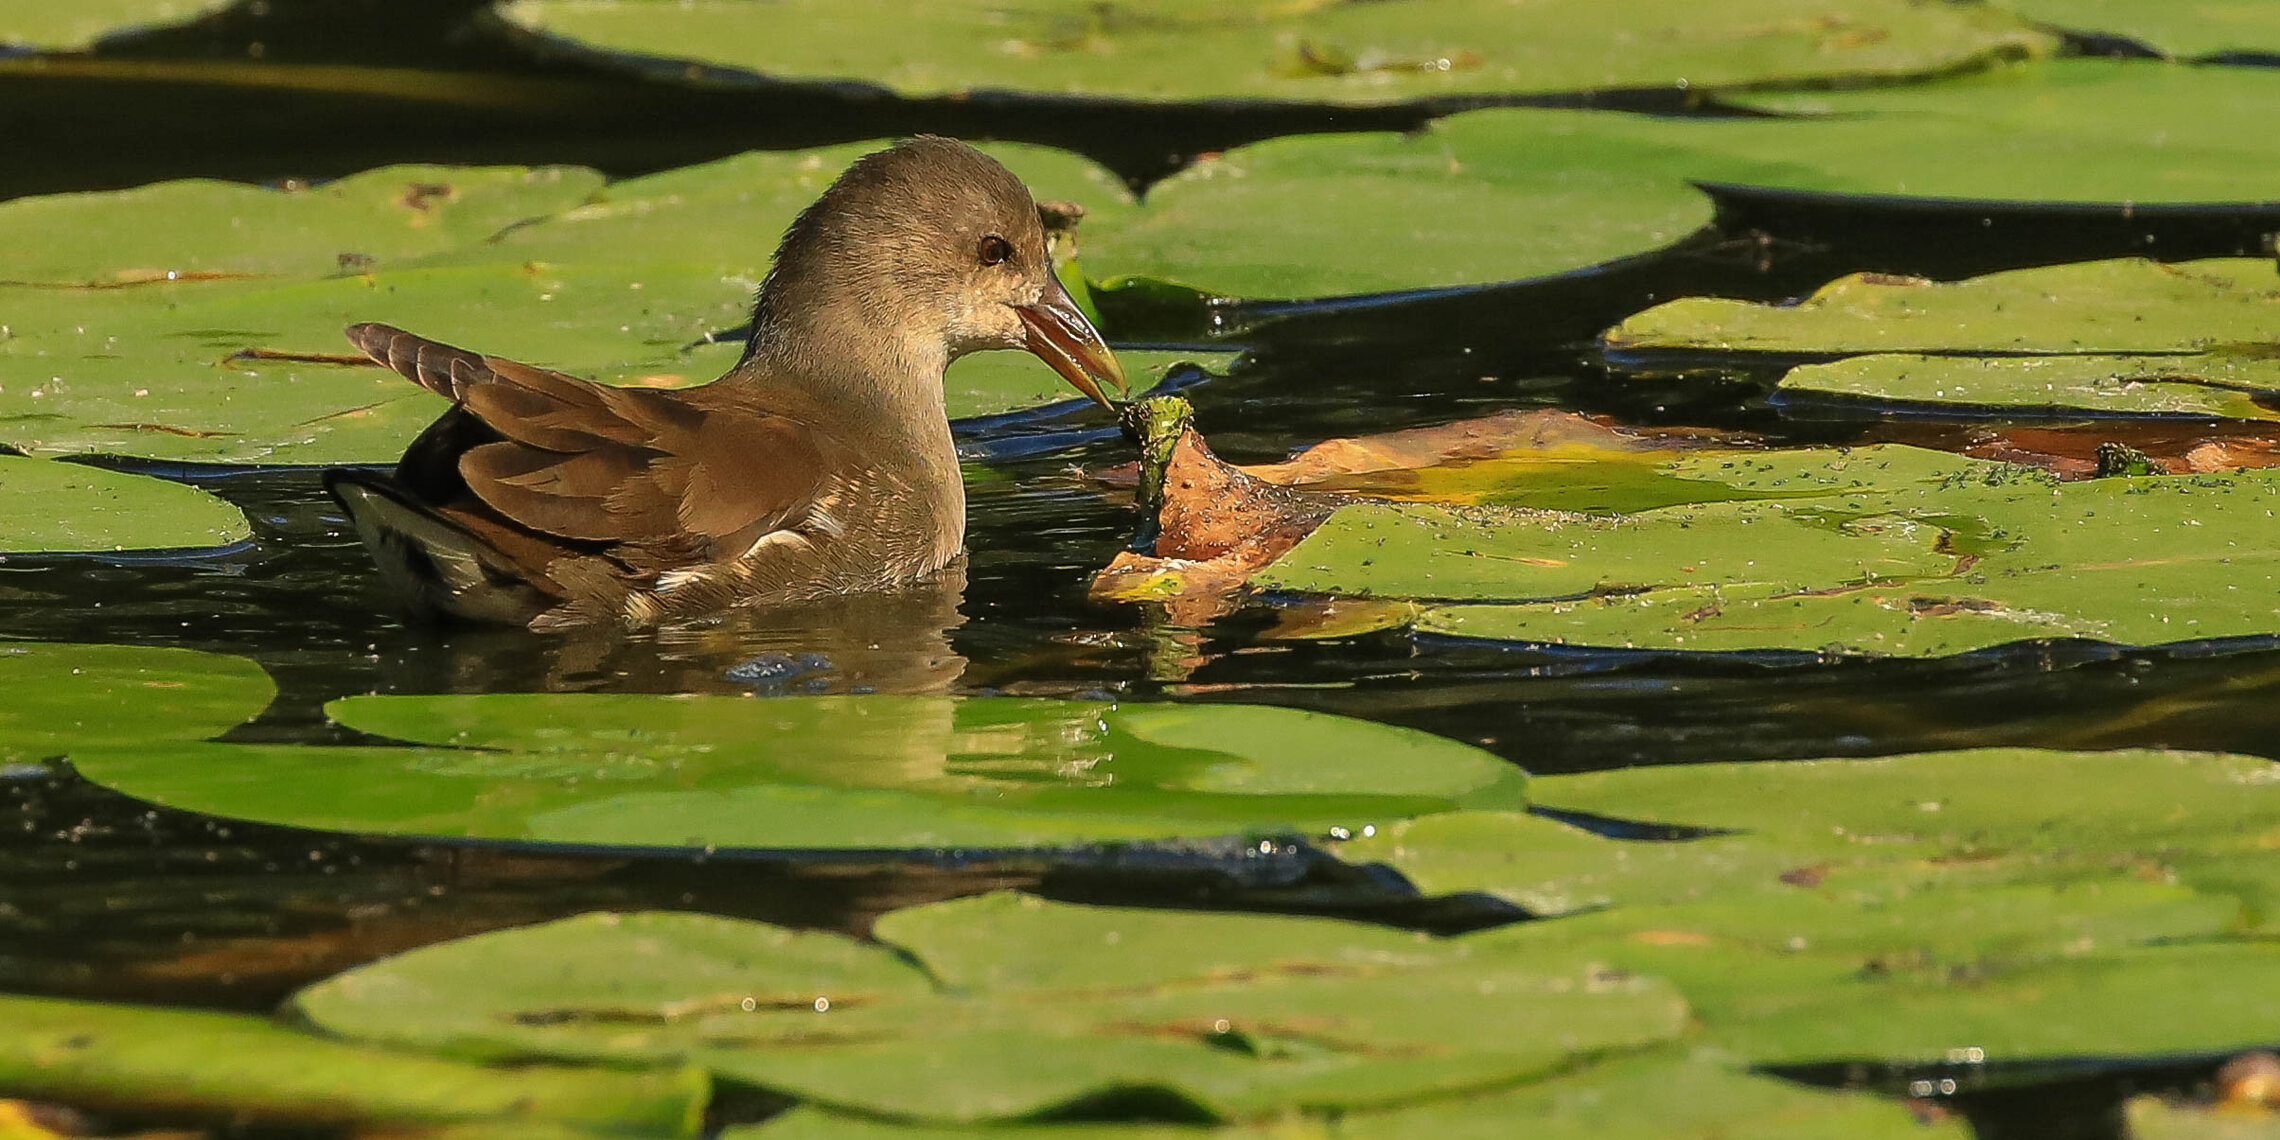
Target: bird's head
{"x": 940, "y": 246}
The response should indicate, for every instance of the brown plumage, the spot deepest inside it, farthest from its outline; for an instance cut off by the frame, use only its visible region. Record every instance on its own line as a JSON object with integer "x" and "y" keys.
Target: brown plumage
{"x": 821, "y": 464}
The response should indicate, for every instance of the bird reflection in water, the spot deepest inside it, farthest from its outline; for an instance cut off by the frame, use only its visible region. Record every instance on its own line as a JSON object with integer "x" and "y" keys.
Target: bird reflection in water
{"x": 886, "y": 641}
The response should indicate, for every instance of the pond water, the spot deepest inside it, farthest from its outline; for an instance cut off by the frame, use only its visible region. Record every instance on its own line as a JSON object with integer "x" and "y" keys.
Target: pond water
{"x": 110, "y": 898}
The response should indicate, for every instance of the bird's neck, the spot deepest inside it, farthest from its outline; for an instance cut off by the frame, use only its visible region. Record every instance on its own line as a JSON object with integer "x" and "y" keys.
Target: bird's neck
{"x": 859, "y": 367}
{"x": 875, "y": 384}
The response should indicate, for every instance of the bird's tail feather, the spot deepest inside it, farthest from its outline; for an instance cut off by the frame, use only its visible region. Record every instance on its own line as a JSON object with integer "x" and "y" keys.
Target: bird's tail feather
{"x": 439, "y": 566}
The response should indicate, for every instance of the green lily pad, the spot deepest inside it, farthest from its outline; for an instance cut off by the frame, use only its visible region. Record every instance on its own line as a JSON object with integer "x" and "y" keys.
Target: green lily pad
{"x": 70, "y": 27}
{"x": 211, "y": 229}
{"x": 1241, "y": 1017}
{"x": 836, "y": 772}
{"x": 2203, "y": 386}
{"x": 48, "y": 507}
{"x": 2133, "y": 562}
{"x": 1878, "y": 856}
{"x": 1664, "y": 1094}
{"x": 1958, "y": 804}
{"x": 2189, "y": 112}
{"x": 2182, "y": 31}
{"x": 1887, "y": 551}
{"x": 250, "y": 1071}
{"x": 2067, "y": 130}
{"x": 153, "y": 371}
{"x": 810, "y": 1123}
{"x": 1548, "y": 191}
{"x": 2126, "y": 337}
{"x": 1541, "y": 193}
{"x": 1854, "y": 905}
{"x": 67, "y": 697}
{"x": 2015, "y": 998}
{"x": 1997, "y": 905}
{"x": 2155, "y": 1000}
{"x": 1822, "y": 538}
{"x": 1328, "y": 53}
{"x": 1667, "y": 1093}
{"x": 2100, "y": 307}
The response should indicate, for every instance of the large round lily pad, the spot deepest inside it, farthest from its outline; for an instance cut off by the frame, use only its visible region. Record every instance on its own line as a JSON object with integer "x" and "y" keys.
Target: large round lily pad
{"x": 2147, "y": 1001}
{"x": 206, "y": 228}
{"x": 64, "y": 508}
{"x": 2125, "y": 337}
{"x": 2199, "y": 29}
{"x": 1991, "y": 905}
{"x": 837, "y": 772}
{"x": 66, "y": 698}
{"x": 1949, "y": 807}
{"x": 1768, "y": 523}
{"x": 1543, "y": 191}
{"x": 2125, "y": 306}
{"x": 1389, "y": 52}
{"x": 2199, "y": 386}
{"x": 1474, "y": 200}
{"x": 1240, "y": 1017}
{"x": 2073, "y": 130}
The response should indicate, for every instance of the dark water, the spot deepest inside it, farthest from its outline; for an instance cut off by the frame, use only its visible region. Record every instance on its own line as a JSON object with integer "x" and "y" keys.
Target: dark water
{"x": 106, "y": 897}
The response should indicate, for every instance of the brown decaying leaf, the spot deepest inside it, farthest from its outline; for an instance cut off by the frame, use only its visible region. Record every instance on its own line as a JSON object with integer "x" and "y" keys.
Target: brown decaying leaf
{"x": 2071, "y": 451}
{"x": 1219, "y": 523}
{"x": 2250, "y": 1083}
{"x": 37, "y": 1120}
{"x": 1487, "y": 437}
{"x": 1216, "y": 526}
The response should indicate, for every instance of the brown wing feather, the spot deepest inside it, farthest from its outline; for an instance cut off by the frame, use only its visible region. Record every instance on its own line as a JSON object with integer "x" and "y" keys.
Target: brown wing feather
{"x": 731, "y": 464}
{"x": 587, "y": 462}
{"x": 422, "y": 361}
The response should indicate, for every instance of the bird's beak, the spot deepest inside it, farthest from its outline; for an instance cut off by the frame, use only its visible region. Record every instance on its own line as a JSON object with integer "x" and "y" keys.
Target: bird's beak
{"x": 1061, "y": 336}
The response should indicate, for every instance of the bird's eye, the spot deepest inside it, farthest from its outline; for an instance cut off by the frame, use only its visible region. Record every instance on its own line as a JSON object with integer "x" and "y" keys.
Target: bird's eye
{"x": 995, "y": 250}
